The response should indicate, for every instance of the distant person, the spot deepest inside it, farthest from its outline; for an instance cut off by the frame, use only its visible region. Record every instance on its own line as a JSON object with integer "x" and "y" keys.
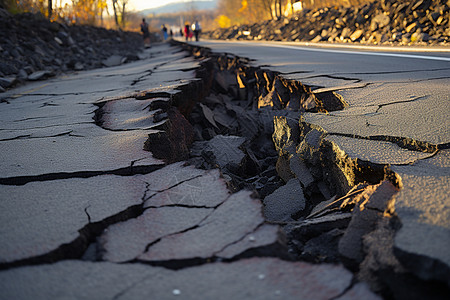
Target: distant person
{"x": 196, "y": 28}
{"x": 181, "y": 32}
{"x": 187, "y": 31}
{"x": 171, "y": 33}
{"x": 145, "y": 33}
{"x": 164, "y": 30}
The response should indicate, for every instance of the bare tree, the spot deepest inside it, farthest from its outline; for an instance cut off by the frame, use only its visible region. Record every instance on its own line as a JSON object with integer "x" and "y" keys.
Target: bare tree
{"x": 120, "y": 12}
{"x": 50, "y": 9}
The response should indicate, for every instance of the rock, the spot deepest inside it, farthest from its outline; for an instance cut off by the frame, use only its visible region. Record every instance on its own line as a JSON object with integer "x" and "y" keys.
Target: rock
{"x": 410, "y": 27}
{"x": 379, "y": 21}
{"x": 286, "y": 201}
{"x": 6, "y": 82}
{"x": 39, "y": 75}
{"x": 344, "y": 24}
{"x": 317, "y": 39}
{"x": 356, "y": 34}
{"x": 114, "y": 60}
{"x": 78, "y": 66}
{"x": 22, "y": 74}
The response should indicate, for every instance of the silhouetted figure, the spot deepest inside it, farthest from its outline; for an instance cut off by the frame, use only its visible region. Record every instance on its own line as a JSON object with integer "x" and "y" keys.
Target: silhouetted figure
{"x": 145, "y": 33}
{"x": 171, "y": 34}
{"x": 187, "y": 31}
{"x": 164, "y": 30}
{"x": 196, "y": 28}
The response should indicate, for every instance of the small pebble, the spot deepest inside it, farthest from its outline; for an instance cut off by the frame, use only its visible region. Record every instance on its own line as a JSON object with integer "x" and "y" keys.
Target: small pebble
{"x": 176, "y": 292}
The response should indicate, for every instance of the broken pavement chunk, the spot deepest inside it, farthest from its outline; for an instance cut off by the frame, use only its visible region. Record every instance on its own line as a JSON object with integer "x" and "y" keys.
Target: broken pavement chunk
{"x": 379, "y": 152}
{"x": 125, "y": 241}
{"x": 267, "y": 240}
{"x": 207, "y": 190}
{"x": 309, "y": 228}
{"x": 256, "y": 278}
{"x": 422, "y": 205}
{"x": 172, "y": 142}
{"x": 103, "y": 151}
{"x": 369, "y": 208}
{"x": 126, "y": 114}
{"x": 284, "y": 202}
{"x": 301, "y": 171}
{"x": 40, "y": 217}
{"x": 226, "y": 149}
{"x": 231, "y": 222}
{"x": 285, "y": 135}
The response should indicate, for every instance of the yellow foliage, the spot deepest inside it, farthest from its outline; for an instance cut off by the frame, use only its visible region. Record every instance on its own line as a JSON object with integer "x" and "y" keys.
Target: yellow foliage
{"x": 223, "y": 21}
{"x": 244, "y": 6}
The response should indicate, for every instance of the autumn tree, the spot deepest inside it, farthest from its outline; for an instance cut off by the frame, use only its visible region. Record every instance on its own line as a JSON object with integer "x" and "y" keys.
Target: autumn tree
{"x": 251, "y": 11}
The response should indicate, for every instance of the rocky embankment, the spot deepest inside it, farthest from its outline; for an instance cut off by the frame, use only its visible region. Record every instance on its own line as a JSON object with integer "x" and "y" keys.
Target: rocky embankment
{"x": 420, "y": 22}
{"x": 32, "y": 48}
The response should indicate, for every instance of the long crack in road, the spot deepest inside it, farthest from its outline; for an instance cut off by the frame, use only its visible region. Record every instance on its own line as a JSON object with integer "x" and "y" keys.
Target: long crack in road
{"x": 198, "y": 173}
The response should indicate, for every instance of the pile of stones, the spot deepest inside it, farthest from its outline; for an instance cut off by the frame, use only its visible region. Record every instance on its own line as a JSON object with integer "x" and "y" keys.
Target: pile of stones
{"x": 407, "y": 22}
{"x": 33, "y": 48}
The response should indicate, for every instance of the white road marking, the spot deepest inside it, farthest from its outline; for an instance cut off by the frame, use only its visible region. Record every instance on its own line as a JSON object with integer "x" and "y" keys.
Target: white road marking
{"x": 359, "y": 52}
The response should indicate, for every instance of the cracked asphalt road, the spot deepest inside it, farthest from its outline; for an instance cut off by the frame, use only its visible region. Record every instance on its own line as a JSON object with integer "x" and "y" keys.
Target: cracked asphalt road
{"x": 398, "y": 115}
{"x": 81, "y": 200}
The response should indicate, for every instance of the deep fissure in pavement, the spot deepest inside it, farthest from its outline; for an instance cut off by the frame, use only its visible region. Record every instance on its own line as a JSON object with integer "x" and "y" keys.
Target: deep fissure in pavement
{"x": 249, "y": 123}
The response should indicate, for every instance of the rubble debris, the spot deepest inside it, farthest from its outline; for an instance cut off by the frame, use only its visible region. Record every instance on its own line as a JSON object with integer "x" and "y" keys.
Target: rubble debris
{"x": 337, "y": 187}
{"x": 34, "y": 48}
{"x": 378, "y": 22}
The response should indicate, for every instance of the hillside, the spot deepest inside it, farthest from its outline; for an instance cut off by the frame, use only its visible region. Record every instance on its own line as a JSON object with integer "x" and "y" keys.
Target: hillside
{"x": 380, "y": 22}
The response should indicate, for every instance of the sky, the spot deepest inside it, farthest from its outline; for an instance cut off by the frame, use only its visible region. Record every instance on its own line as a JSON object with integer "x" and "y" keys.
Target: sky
{"x": 144, "y": 4}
